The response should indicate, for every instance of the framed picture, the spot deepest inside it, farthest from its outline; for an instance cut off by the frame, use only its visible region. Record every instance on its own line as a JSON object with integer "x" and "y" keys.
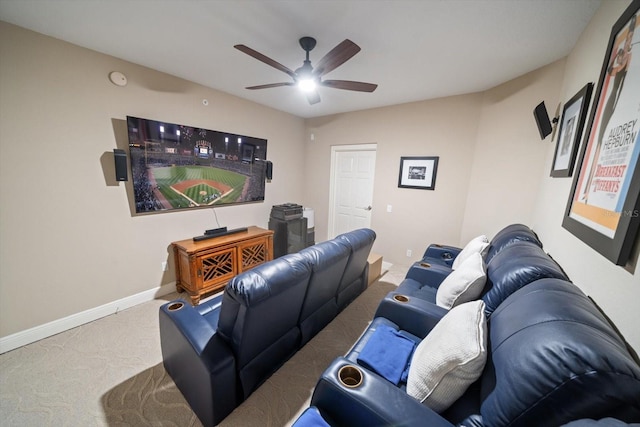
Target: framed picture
{"x": 418, "y": 172}
{"x": 603, "y": 209}
{"x": 574, "y": 115}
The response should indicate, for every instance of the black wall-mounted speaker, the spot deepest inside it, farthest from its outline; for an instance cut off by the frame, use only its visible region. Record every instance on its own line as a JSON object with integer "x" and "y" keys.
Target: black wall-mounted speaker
{"x": 269, "y": 170}
{"x": 120, "y": 158}
{"x": 542, "y": 120}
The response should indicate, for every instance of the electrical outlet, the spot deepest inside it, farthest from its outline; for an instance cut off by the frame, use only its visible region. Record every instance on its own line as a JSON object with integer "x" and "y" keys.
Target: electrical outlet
{"x": 409, "y": 252}
{"x": 165, "y": 266}
{"x": 389, "y": 208}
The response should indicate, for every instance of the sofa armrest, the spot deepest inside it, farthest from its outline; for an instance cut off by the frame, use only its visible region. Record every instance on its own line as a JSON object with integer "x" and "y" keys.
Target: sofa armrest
{"x": 375, "y": 402}
{"x": 193, "y": 327}
{"x": 442, "y": 252}
{"x": 413, "y": 315}
{"x": 199, "y": 361}
{"x": 428, "y": 274}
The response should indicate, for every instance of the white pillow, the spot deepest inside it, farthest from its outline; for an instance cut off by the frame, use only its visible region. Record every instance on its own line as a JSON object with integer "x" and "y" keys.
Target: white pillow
{"x": 463, "y": 284}
{"x": 478, "y": 244}
{"x": 450, "y": 358}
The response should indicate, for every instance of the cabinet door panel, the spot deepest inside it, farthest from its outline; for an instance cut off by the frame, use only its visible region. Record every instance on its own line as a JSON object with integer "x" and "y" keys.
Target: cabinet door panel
{"x": 217, "y": 267}
{"x": 254, "y": 252}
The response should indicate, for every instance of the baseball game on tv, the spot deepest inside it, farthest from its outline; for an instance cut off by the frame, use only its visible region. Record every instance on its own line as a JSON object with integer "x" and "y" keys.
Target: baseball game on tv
{"x": 183, "y": 167}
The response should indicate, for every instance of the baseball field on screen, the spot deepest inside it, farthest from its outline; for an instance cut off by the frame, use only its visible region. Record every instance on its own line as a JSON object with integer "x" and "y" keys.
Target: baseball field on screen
{"x": 189, "y": 186}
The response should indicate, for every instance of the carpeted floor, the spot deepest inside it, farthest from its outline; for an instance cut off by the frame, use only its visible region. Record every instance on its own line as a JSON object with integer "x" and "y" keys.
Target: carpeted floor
{"x": 109, "y": 372}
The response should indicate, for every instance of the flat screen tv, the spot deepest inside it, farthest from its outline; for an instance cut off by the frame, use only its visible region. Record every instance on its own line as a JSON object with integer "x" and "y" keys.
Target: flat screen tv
{"x": 183, "y": 167}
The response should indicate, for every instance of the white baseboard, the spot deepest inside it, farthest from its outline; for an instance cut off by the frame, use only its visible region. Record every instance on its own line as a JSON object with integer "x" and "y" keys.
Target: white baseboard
{"x": 11, "y": 342}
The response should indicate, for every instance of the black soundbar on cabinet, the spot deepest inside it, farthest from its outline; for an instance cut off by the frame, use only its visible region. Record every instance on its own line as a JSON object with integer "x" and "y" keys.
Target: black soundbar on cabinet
{"x": 221, "y": 233}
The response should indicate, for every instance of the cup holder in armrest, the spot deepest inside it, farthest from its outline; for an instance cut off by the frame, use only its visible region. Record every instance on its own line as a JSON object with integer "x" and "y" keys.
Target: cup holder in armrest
{"x": 350, "y": 376}
{"x": 425, "y": 265}
{"x": 401, "y": 298}
{"x": 175, "y": 306}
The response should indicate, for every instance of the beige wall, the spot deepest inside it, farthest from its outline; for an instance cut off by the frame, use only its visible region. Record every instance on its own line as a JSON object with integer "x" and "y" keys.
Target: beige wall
{"x": 68, "y": 239}
{"x": 509, "y": 153}
{"x": 67, "y": 248}
{"x": 489, "y": 148}
{"x": 443, "y": 127}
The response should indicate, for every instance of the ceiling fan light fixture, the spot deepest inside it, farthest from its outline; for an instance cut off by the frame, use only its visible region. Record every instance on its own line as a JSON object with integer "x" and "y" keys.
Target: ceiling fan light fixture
{"x": 307, "y": 78}
{"x": 307, "y": 85}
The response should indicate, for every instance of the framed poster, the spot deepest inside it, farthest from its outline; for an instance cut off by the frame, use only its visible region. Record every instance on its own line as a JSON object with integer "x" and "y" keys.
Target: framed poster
{"x": 603, "y": 209}
{"x": 574, "y": 115}
{"x": 418, "y": 172}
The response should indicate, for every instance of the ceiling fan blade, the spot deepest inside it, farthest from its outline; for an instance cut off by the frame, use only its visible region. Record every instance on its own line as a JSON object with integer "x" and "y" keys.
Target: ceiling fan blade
{"x": 349, "y": 85}
{"x": 260, "y": 57}
{"x": 270, "y": 85}
{"x": 313, "y": 97}
{"x": 336, "y": 57}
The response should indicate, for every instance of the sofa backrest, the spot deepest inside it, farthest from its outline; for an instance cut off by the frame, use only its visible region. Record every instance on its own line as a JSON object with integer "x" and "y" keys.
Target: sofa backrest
{"x": 354, "y": 280}
{"x": 554, "y": 357}
{"x": 259, "y": 316}
{"x": 328, "y": 261}
{"x": 515, "y": 266}
{"x": 509, "y": 235}
{"x": 270, "y": 311}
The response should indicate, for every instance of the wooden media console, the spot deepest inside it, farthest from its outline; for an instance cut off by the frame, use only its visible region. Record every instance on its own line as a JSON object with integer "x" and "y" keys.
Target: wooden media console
{"x": 206, "y": 266}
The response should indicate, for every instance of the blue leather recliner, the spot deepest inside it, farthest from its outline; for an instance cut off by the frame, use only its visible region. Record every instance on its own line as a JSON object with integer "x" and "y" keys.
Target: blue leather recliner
{"x": 552, "y": 358}
{"x": 219, "y": 352}
{"x": 444, "y": 255}
{"x": 437, "y": 261}
{"x": 514, "y": 259}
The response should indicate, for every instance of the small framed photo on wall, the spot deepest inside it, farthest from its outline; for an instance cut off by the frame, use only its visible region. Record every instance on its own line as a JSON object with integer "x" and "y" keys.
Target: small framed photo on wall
{"x": 574, "y": 116}
{"x": 418, "y": 172}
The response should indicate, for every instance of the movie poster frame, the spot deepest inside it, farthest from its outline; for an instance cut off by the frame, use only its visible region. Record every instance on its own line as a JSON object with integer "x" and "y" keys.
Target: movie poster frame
{"x": 430, "y": 165}
{"x": 575, "y": 111}
{"x": 612, "y": 233}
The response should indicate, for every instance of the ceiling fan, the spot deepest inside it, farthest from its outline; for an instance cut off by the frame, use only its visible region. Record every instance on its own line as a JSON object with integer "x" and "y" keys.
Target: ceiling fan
{"x": 309, "y": 78}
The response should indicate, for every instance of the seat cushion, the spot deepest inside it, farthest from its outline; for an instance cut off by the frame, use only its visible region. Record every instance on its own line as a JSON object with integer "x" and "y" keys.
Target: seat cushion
{"x": 413, "y": 288}
{"x": 476, "y": 245}
{"x": 450, "y": 358}
{"x": 464, "y": 284}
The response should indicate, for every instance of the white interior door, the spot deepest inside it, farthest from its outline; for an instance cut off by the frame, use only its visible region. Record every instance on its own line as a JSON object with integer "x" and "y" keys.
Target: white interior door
{"x": 351, "y": 192}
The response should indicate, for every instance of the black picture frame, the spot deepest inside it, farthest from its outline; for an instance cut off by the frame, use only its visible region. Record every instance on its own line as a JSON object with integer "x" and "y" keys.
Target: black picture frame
{"x": 603, "y": 209}
{"x": 574, "y": 116}
{"x": 418, "y": 172}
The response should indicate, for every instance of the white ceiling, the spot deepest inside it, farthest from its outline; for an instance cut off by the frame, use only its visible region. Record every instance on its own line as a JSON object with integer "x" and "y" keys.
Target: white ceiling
{"x": 413, "y": 49}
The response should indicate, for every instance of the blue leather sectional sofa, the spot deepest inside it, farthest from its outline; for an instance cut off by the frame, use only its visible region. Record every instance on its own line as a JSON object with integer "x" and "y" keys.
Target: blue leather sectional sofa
{"x": 219, "y": 352}
{"x": 552, "y": 357}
